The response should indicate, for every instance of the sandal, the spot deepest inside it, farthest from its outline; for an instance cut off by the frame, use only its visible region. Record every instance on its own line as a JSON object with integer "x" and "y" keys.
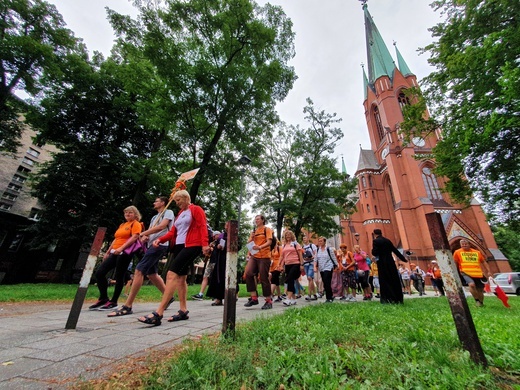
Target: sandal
{"x": 154, "y": 320}
{"x": 180, "y": 316}
{"x": 124, "y": 311}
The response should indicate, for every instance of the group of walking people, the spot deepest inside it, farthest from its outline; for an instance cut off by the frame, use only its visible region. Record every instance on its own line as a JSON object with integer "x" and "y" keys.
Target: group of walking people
{"x": 329, "y": 272}
{"x": 187, "y": 237}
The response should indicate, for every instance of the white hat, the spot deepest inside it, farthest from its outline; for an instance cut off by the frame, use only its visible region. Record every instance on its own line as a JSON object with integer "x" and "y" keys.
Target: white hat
{"x": 216, "y": 233}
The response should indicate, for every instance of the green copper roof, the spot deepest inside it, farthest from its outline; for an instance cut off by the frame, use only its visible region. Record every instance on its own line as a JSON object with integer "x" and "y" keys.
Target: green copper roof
{"x": 365, "y": 83}
{"x": 343, "y": 169}
{"x": 403, "y": 67}
{"x": 380, "y": 62}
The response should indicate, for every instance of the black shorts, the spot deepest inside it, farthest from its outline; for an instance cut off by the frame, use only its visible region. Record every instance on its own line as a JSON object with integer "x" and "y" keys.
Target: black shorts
{"x": 184, "y": 259}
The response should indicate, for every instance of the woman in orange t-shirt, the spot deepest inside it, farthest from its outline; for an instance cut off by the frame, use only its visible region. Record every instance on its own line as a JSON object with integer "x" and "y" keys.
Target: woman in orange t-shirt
{"x": 275, "y": 270}
{"x": 115, "y": 257}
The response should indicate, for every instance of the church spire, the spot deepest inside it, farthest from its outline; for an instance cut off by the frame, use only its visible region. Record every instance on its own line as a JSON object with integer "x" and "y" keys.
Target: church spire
{"x": 365, "y": 82}
{"x": 380, "y": 62}
{"x": 403, "y": 67}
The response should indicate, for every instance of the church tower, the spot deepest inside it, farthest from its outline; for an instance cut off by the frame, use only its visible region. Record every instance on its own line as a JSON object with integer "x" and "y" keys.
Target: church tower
{"x": 397, "y": 186}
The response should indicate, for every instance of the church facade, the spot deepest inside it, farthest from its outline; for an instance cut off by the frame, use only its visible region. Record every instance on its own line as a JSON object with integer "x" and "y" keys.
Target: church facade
{"x": 397, "y": 185}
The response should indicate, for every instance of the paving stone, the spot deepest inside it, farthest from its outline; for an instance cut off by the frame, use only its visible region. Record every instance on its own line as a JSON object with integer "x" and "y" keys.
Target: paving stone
{"x": 21, "y": 366}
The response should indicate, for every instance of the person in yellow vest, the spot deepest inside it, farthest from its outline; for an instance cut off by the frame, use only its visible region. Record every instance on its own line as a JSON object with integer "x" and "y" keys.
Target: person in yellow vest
{"x": 472, "y": 267}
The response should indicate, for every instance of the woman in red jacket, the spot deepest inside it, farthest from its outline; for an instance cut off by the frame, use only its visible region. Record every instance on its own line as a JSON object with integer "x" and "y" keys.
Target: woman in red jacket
{"x": 190, "y": 235}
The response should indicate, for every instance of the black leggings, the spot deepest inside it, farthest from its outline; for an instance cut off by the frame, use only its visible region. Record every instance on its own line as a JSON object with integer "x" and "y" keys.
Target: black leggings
{"x": 326, "y": 278}
{"x": 120, "y": 263}
{"x": 292, "y": 273}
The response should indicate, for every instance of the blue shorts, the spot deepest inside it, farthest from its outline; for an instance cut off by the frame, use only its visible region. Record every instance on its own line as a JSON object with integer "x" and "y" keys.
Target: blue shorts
{"x": 309, "y": 269}
{"x": 149, "y": 263}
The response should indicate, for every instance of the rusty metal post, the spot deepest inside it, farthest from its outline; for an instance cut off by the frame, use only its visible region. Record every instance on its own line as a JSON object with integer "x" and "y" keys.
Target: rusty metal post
{"x": 75, "y": 310}
{"x": 453, "y": 286}
{"x": 230, "y": 304}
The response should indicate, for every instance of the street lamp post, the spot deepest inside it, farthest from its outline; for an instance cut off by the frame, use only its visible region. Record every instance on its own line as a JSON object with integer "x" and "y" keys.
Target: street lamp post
{"x": 243, "y": 161}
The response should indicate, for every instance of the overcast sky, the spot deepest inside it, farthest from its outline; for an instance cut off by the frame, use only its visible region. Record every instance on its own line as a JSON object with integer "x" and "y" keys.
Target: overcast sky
{"x": 330, "y": 47}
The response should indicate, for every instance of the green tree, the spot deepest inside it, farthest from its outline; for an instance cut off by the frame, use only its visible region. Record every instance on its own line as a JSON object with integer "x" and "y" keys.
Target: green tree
{"x": 223, "y": 65}
{"x": 33, "y": 42}
{"x": 92, "y": 119}
{"x": 507, "y": 240}
{"x": 299, "y": 184}
{"x": 474, "y": 94}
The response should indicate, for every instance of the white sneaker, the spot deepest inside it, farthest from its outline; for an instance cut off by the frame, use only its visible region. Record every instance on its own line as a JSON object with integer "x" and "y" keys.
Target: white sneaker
{"x": 293, "y": 302}
{"x": 352, "y": 299}
{"x": 287, "y": 302}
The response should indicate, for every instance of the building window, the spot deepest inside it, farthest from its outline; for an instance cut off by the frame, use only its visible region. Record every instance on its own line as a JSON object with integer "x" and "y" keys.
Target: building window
{"x": 35, "y": 214}
{"x": 391, "y": 191}
{"x": 10, "y": 197}
{"x": 5, "y": 206}
{"x": 28, "y": 161}
{"x": 430, "y": 184}
{"x": 403, "y": 100}
{"x": 33, "y": 152}
{"x": 368, "y": 208}
{"x": 363, "y": 181}
{"x": 375, "y": 209}
{"x": 378, "y": 123}
{"x": 373, "y": 195}
{"x": 14, "y": 187}
{"x": 23, "y": 170}
{"x": 366, "y": 195}
{"x": 370, "y": 184}
{"x": 19, "y": 179}
{"x": 15, "y": 244}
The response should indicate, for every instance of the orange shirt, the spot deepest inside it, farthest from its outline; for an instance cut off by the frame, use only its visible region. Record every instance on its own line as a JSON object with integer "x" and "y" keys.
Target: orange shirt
{"x": 124, "y": 232}
{"x": 262, "y": 234}
{"x": 275, "y": 259}
{"x": 469, "y": 262}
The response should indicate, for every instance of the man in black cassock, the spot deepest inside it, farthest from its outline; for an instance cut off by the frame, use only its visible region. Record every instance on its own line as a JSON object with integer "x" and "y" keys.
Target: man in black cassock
{"x": 382, "y": 248}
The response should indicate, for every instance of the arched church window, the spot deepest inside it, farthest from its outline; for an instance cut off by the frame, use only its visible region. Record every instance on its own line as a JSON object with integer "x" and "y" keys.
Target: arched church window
{"x": 370, "y": 181}
{"x": 366, "y": 195}
{"x": 363, "y": 181}
{"x": 430, "y": 184}
{"x": 375, "y": 209}
{"x": 368, "y": 208}
{"x": 403, "y": 100}
{"x": 378, "y": 123}
{"x": 391, "y": 191}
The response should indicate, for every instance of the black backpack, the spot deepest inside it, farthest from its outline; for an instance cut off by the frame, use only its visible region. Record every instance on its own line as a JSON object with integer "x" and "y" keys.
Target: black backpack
{"x": 273, "y": 241}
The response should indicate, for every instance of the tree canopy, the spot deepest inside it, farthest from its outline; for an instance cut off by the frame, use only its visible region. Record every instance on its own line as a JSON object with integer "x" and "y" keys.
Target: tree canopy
{"x": 299, "y": 186}
{"x": 474, "y": 95}
{"x": 186, "y": 86}
{"x": 33, "y": 42}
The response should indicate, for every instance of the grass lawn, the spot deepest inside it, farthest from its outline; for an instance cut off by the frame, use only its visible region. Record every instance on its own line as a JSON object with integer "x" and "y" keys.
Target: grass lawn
{"x": 67, "y": 292}
{"x": 345, "y": 346}
{"x": 330, "y": 346}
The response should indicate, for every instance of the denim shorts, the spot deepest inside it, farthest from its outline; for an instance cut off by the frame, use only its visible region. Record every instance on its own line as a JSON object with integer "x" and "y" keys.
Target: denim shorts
{"x": 309, "y": 269}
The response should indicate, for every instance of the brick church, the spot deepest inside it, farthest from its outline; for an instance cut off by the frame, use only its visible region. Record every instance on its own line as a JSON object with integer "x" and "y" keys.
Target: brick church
{"x": 396, "y": 189}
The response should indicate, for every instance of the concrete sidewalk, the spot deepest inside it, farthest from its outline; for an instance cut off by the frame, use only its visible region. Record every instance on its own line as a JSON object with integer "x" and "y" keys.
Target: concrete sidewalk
{"x": 36, "y": 352}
